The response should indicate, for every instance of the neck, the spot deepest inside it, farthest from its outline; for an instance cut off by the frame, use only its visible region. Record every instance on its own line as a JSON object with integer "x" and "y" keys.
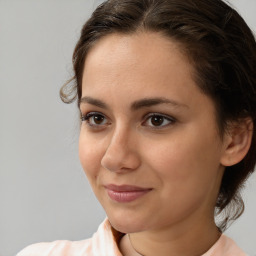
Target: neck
{"x": 187, "y": 240}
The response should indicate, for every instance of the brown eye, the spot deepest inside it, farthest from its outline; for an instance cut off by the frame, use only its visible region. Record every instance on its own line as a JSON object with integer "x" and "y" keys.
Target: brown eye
{"x": 95, "y": 119}
{"x": 98, "y": 119}
{"x": 157, "y": 120}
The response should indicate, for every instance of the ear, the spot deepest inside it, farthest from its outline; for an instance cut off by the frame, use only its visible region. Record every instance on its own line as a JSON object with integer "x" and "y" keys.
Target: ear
{"x": 237, "y": 141}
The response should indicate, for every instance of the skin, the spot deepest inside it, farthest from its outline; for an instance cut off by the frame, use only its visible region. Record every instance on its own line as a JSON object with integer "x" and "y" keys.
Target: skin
{"x": 181, "y": 161}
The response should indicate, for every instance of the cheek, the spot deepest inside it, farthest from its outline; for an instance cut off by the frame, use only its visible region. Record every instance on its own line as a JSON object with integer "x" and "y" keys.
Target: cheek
{"x": 185, "y": 161}
{"x": 89, "y": 155}
{"x": 187, "y": 179}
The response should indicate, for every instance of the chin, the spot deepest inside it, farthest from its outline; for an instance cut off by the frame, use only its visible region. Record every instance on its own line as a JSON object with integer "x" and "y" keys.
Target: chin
{"x": 126, "y": 223}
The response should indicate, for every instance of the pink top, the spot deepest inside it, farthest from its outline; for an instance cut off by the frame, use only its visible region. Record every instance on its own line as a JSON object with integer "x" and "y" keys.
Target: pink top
{"x": 103, "y": 243}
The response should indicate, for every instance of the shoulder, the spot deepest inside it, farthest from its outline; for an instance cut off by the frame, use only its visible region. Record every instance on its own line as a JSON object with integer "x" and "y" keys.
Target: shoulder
{"x": 225, "y": 246}
{"x": 231, "y": 247}
{"x": 58, "y": 248}
{"x": 103, "y": 243}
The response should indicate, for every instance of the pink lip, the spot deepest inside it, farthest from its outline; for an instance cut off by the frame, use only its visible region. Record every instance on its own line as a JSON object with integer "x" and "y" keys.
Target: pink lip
{"x": 125, "y": 193}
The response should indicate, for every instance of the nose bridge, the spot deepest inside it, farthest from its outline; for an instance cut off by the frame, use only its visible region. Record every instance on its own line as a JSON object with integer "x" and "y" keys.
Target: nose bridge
{"x": 121, "y": 152}
{"x": 121, "y": 136}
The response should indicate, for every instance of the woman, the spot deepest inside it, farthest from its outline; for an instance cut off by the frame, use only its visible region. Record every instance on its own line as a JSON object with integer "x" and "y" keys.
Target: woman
{"x": 167, "y": 95}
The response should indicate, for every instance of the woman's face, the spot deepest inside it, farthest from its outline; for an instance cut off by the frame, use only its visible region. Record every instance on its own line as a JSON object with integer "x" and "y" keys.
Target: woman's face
{"x": 149, "y": 142}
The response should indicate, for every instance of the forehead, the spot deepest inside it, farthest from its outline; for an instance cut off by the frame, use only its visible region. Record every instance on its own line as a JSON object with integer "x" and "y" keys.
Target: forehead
{"x": 155, "y": 44}
{"x": 147, "y": 57}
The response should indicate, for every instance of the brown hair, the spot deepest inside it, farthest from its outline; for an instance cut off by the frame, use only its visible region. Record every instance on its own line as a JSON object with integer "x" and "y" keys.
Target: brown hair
{"x": 222, "y": 49}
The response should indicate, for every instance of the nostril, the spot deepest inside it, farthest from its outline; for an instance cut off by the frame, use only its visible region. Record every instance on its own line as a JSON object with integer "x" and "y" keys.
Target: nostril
{"x": 120, "y": 160}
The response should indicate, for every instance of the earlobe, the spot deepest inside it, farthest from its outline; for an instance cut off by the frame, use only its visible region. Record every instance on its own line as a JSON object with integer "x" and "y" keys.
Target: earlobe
{"x": 237, "y": 142}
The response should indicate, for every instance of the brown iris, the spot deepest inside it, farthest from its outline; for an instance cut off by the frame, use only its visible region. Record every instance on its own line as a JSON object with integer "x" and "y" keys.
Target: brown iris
{"x": 98, "y": 119}
{"x": 157, "y": 120}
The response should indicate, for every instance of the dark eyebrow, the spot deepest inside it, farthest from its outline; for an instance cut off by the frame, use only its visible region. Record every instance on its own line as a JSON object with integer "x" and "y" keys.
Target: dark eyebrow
{"x": 142, "y": 103}
{"x": 148, "y": 102}
{"x": 93, "y": 101}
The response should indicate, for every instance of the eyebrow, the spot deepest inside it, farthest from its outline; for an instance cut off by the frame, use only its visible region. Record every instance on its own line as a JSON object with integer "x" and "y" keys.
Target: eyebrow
{"x": 93, "y": 101}
{"x": 142, "y": 103}
{"x": 148, "y": 102}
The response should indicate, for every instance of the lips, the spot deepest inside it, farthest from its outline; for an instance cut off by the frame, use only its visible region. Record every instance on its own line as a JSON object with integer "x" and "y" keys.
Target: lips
{"x": 125, "y": 193}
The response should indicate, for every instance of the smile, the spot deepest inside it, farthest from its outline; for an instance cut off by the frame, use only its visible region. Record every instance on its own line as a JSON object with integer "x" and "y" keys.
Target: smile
{"x": 125, "y": 193}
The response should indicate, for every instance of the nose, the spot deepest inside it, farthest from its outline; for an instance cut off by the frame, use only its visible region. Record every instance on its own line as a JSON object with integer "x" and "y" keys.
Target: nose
{"x": 121, "y": 154}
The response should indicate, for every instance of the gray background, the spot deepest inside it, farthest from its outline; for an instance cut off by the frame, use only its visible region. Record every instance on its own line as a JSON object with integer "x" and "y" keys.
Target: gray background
{"x": 44, "y": 194}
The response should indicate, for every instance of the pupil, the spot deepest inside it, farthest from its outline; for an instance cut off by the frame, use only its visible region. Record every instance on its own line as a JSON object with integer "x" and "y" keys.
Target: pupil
{"x": 157, "y": 120}
{"x": 98, "y": 119}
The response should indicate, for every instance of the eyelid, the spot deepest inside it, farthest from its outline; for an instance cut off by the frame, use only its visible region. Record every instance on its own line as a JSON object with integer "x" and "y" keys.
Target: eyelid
{"x": 171, "y": 119}
{"x": 90, "y": 114}
{"x": 85, "y": 118}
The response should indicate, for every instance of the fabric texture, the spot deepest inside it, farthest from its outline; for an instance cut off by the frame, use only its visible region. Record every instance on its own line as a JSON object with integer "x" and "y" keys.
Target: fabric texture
{"x": 104, "y": 243}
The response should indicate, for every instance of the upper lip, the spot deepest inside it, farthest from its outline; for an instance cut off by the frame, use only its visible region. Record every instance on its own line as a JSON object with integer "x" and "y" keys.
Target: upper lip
{"x": 125, "y": 188}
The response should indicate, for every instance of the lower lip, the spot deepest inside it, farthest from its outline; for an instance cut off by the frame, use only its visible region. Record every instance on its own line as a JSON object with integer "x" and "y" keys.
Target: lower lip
{"x": 126, "y": 196}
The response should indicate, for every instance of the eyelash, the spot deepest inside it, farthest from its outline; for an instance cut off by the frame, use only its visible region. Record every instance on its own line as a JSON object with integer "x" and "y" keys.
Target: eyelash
{"x": 165, "y": 118}
{"x": 88, "y": 116}
{"x": 146, "y": 118}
